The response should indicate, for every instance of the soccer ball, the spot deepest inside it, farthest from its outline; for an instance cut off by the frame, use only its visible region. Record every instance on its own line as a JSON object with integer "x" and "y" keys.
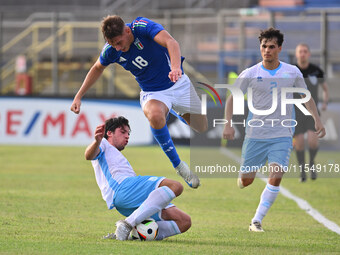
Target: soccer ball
{"x": 147, "y": 230}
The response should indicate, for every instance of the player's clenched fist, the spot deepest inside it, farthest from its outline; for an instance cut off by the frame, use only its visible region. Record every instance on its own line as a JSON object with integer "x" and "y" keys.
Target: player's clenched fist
{"x": 75, "y": 107}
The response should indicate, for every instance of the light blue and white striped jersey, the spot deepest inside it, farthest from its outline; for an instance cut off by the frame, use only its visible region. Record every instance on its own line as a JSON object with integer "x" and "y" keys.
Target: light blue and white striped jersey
{"x": 110, "y": 168}
{"x": 263, "y": 81}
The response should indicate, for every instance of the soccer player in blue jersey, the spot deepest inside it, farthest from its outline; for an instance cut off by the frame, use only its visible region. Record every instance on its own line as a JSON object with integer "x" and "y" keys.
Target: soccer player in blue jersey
{"x": 136, "y": 197}
{"x": 269, "y": 136}
{"x": 153, "y": 56}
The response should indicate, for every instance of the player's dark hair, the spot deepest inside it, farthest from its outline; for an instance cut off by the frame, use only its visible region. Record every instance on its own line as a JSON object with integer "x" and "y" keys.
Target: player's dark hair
{"x": 271, "y": 33}
{"x": 112, "y": 26}
{"x": 114, "y": 123}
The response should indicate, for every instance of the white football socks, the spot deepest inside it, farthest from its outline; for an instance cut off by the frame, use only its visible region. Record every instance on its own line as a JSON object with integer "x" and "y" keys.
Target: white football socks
{"x": 268, "y": 197}
{"x": 167, "y": 228}
{"x": 156, "y": 201}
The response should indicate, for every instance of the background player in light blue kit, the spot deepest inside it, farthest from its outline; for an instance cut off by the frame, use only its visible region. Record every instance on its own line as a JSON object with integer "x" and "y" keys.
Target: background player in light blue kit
{"x": 271, "y": 141}
{"x": 136, "y": 197}
{"x": 153, "y": 56}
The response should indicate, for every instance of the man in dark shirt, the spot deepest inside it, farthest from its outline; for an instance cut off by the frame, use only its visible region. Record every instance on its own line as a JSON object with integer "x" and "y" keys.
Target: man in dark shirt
{"x": 314, "y": 77}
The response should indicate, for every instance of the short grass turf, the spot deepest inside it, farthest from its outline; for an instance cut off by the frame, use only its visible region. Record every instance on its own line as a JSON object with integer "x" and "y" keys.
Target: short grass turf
{"x": 50, "y": 204}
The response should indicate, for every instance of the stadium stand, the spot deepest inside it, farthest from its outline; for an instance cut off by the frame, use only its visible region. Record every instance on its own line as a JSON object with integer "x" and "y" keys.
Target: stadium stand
{"x": 215, "y": 36}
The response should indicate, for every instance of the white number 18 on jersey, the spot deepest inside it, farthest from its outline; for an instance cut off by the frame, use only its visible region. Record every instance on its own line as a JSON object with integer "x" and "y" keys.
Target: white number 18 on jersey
{"x": 140, "y": 62}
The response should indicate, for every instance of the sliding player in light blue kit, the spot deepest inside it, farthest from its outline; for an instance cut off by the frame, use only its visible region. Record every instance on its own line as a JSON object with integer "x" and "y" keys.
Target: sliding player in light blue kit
{"x": 269, "y": 136}
{"x": 136, "y": 197}
{"x": 153, "y": 56}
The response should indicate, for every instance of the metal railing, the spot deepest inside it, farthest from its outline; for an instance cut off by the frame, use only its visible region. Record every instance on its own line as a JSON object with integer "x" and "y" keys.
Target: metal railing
{"x": 212, "y": 42}
{"x": 59, "y": 37}
{"x": 38, "y": 49}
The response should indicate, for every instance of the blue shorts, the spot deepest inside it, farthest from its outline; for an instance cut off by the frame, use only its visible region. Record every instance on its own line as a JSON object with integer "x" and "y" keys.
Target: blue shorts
{"x": 133, "y": 191}
{"x": 256, "y": 152}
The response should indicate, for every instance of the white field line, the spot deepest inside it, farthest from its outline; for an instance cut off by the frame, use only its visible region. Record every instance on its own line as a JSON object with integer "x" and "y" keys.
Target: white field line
{"x": 303, "y": 204}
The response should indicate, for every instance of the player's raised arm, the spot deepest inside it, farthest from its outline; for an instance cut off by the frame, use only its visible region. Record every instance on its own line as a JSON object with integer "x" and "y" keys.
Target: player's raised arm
{"x": 93, "y": 150}
{"x": 166, "y": 40}
{"x": 91, "y": 77}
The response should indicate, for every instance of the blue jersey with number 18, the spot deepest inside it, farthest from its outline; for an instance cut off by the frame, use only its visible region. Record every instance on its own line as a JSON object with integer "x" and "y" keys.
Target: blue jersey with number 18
{"x": 148, "y": 61}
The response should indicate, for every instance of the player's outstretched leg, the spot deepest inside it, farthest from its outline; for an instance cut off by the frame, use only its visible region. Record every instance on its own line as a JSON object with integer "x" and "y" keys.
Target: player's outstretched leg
{"x": 123, "y": 230}
{"x": 156, "y": 112}
{"x": 268, "y": 197}
{"x": 163, "y": 138}
{"x": 174, "y": 222}
{"x": 158, "y": 199}
{"x": 189, "y": 177}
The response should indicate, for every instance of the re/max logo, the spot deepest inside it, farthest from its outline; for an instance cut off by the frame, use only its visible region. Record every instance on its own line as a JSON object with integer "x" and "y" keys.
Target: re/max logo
{"x": 21, "y": 123}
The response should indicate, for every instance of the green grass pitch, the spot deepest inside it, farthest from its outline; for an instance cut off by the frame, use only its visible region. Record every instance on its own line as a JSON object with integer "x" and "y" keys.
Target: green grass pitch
{"x": 50, "y": 204}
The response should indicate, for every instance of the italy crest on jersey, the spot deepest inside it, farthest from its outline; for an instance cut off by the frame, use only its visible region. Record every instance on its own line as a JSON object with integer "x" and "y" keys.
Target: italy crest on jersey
{"x": 138, "y": 44}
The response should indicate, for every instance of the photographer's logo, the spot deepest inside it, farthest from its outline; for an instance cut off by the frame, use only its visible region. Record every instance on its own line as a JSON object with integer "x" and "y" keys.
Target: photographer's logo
{"x": 204, "y": 97}
{"x": 238, "y": 102}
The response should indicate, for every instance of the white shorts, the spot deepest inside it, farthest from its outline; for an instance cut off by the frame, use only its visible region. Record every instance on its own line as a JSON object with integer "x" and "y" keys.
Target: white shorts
{"x": 181, "y": 97}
